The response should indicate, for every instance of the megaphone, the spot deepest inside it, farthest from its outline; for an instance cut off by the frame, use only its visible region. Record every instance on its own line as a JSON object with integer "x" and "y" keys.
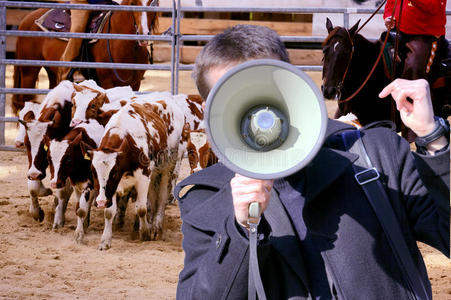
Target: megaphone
{"x": 265, "y": 119}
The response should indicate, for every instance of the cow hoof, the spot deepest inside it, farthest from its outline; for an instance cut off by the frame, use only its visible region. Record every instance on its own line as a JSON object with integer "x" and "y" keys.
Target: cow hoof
{"x": 45, "y": 192}
{"x": 57, "y": 225}
{"x": 104, "y": 246}
{"x": 144, "y": 235}
{"x": 79, "y": 237}
{"x": 38, "y": 214}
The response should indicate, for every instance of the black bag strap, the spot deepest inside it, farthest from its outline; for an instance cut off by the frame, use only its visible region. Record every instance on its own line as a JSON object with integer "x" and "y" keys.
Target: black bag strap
{"x": 368, "y": 178}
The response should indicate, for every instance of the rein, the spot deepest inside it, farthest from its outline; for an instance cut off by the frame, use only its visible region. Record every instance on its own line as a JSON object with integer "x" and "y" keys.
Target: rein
{"x": 340, "y": 85}
{"x": 149, "y": 55}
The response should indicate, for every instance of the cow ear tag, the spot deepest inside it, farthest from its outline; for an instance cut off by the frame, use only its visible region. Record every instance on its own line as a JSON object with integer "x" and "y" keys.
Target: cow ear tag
{"x": 46, "y": 148}
{"x": 86, "y": 157}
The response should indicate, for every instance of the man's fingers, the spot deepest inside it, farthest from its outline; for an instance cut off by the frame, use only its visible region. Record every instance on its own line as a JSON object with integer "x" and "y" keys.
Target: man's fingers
{"x": 387, "y": 90}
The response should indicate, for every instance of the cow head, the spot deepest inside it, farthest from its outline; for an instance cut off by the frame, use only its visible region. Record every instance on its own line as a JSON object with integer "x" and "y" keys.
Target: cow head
{"x": 200, "y": 155}
{"x": 109, "y": 163}
{"x": 65, "y": 157}
{"x": 37, "y": 146}
{"x": 86, "y": 104}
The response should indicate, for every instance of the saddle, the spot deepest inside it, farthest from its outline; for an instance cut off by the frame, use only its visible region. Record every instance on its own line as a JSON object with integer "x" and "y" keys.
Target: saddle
{"x": 58, "y": 20}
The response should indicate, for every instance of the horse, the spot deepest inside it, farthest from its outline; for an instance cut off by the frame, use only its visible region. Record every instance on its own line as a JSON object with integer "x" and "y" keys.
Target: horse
{"x": 119, "y": 51}
{"x": 347, "y": 61}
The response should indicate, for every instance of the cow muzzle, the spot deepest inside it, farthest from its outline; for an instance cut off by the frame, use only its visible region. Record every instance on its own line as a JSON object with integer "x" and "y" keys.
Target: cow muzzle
{"x": 34, "y": 175}
{"x": 75, "y": 122}
{"x": 101, "y": 203}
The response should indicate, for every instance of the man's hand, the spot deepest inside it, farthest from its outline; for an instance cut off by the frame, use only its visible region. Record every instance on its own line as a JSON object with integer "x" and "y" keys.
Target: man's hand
{"x": 413, "y": 100}
{"x": 387, "y": 22}
{"x": 247, "y": 190}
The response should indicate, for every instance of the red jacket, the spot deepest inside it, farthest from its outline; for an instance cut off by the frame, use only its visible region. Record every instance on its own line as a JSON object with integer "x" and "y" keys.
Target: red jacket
{"x": 419, "y": 16}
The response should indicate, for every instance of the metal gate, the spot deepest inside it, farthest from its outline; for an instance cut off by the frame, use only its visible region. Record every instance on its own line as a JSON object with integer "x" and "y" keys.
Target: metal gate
{"x": 172, "y": 35}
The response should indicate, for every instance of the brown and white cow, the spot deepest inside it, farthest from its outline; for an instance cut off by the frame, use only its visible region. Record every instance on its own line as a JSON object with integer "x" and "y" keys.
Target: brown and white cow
{"x": 67, "y": 162}
{"x": 200, "y": 154}
{"x": 52, "y": 120}
{"x": 133, "y": 149}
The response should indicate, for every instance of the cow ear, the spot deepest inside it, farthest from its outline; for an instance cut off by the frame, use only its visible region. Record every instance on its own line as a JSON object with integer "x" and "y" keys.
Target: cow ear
{"x": 329, "y": 25}
{"x": 77, "y": 139}
{"x": 185, "y": 132}
{"x": 56, "y": 119}
{"x": 86, "y": 150}
{"x": 103, "y": 99}
{"x": 78, "y": 88}
{"x": 353, "y": 29}
{"x": 23, "y": 123}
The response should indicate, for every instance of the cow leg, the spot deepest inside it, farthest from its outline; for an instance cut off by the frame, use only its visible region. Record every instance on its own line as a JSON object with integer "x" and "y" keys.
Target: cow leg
{"x": 34, "y": 188}
{"x": 83, "y": 212}
{"x": 162, "y": 200}
{"x": 109, "y": 212}
{"x": 122, "y": 201}
{"x": 142, "y": 189}
{"x": 62, "y": 196}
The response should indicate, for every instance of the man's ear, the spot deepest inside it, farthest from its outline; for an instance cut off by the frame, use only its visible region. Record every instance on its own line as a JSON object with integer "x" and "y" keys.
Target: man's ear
{"x": 86, "y": 150}
{"x": 329, "y": 25}
{"x": 354, "y": 28}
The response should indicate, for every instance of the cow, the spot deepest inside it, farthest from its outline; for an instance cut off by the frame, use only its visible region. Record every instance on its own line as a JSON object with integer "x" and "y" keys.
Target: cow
{"x": 200, "y": 155}
{"x": 52, "y": 120}
{"x": 133, "y": 149}
{"x": 67, "y": 163}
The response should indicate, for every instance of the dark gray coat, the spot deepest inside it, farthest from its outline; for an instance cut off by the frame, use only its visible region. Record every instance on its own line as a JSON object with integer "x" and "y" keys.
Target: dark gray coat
{"x": 358, "y": 259}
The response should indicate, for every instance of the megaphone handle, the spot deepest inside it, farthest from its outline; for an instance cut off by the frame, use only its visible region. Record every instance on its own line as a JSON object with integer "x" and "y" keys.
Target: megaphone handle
{"x": 255, "y": 285}
{"x": 254, "y": 213}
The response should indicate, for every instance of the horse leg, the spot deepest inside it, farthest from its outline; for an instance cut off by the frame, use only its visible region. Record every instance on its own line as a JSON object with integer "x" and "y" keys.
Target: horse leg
{"x": 53, "y": 78}
{"x": 24, "y": 77}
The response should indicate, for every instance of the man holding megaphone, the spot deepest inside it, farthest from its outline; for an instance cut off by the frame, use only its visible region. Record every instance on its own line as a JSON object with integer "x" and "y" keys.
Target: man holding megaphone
{"x": 341, "y": 213}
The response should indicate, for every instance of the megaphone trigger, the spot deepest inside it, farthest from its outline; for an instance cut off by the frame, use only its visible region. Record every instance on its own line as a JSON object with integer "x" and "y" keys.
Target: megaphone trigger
{"x": 254, "y": 214}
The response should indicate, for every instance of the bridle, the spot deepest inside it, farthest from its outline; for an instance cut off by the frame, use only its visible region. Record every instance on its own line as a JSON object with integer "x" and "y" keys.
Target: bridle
{"x": 149, "y": 55}
{"x": 340, "y": 85}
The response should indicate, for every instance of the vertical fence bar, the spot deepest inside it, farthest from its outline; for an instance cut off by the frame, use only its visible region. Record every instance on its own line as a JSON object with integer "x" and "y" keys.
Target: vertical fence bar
{"x": 2, "y": 73}
{"x": 174, "y": 12}
{"x": 177, "y": 47}
{"x": 346, "y": 20}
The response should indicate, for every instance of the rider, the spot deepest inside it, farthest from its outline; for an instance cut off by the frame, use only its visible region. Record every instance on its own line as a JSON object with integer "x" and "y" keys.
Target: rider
{"x": 422, "y": 27}
{"x": 79, "y": 20}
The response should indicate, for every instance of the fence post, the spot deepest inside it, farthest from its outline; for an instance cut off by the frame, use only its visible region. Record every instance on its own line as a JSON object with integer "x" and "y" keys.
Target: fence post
{"x": 177, "y": 47}
{"x": 2, "y": 73}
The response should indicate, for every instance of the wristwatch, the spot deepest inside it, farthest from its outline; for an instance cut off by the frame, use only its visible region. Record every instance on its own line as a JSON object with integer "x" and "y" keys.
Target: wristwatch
{"x": 441, "y": 129}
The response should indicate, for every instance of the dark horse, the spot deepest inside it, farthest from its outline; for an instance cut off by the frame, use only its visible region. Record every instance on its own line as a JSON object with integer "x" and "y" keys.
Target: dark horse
{"x": 348, "y": 59}
{"x": 122, "y": 51}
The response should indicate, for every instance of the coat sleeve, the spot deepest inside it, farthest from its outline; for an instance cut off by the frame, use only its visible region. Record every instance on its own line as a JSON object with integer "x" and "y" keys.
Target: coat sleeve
{"x": 388, "y": 10}
{"x": 216, "y": 259}
{"x": 418, "y": 187}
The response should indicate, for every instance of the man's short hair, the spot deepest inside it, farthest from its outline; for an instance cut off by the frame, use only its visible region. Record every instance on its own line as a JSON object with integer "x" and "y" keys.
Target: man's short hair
{"x": 235, "y": 45}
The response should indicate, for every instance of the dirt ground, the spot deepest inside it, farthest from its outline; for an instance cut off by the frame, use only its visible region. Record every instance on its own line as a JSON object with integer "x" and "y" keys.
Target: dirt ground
{"x": 37, "y": 262}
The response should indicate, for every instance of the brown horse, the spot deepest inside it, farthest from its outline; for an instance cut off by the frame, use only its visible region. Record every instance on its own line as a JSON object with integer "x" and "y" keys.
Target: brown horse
{"x": 122, "y": 51}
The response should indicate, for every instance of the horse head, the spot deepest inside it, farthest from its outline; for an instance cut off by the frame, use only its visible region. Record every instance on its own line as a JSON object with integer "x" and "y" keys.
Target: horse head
{"x": 338, "y": 48}
{"x": 145, "y": 22}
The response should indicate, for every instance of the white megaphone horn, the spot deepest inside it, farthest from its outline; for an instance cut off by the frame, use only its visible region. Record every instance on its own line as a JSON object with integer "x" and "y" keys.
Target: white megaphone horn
{"x": 265, "y": 119}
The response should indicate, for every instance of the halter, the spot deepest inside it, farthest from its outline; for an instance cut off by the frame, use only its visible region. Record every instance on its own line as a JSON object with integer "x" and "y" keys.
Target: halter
{"x": 340, "y": 85}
